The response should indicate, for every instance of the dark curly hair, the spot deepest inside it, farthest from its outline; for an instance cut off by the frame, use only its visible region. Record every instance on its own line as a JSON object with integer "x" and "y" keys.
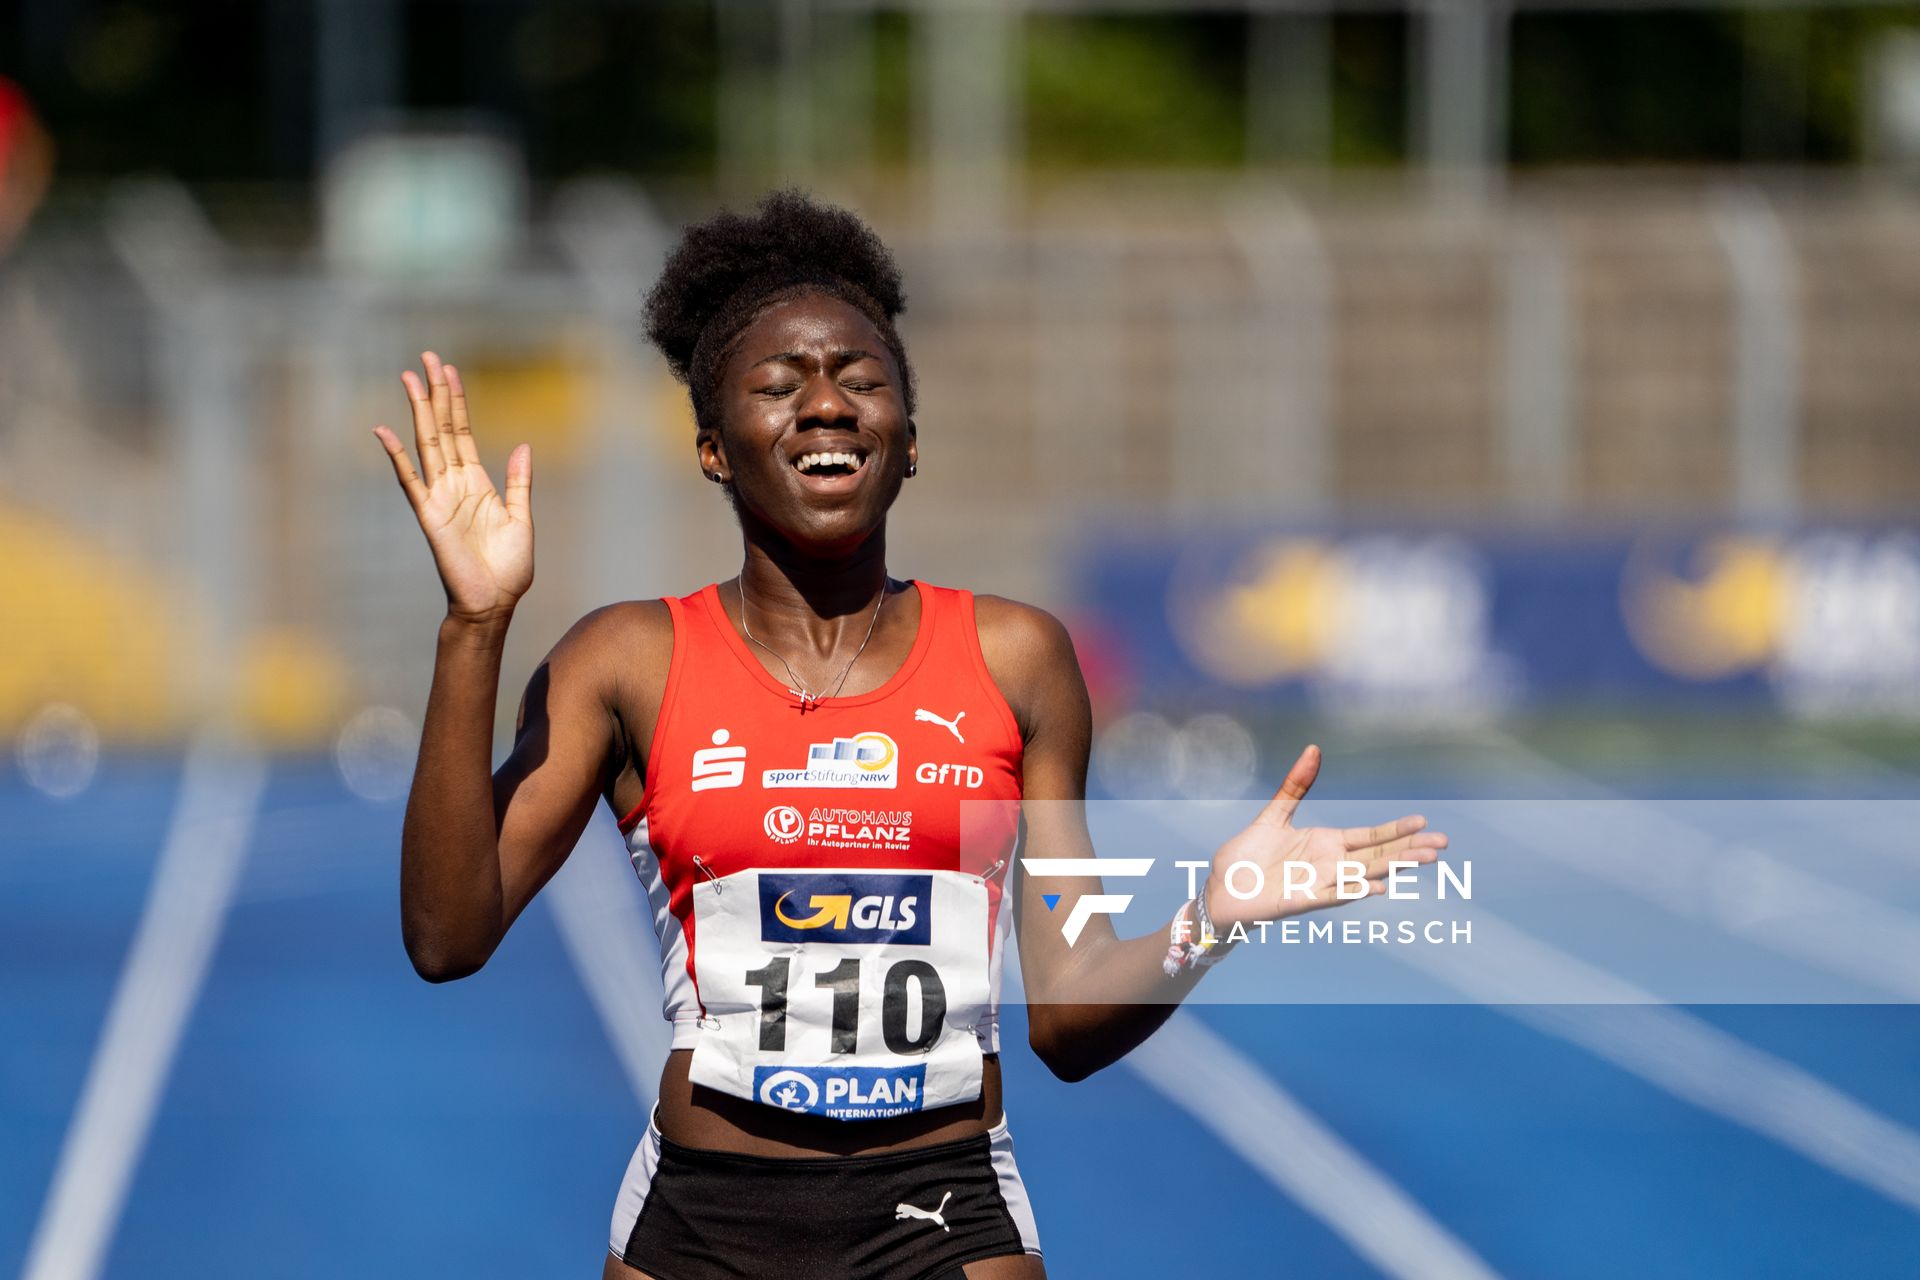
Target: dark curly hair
{"x": 727, "y": 269}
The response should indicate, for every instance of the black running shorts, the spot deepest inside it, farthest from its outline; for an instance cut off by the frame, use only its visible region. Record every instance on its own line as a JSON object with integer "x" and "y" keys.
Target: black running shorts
{"x": 687, "y": 1214}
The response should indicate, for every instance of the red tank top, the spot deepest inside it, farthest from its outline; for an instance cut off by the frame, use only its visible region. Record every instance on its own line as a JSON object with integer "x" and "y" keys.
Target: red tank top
{"x": 739, "y": 777}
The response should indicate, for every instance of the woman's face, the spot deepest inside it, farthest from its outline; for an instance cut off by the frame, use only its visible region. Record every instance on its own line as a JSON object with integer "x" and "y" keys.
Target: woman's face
{"x": 813, "y": 435}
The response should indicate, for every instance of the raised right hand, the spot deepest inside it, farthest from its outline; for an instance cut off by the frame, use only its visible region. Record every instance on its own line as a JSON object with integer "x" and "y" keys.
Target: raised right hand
{"x": 482, "y": 543}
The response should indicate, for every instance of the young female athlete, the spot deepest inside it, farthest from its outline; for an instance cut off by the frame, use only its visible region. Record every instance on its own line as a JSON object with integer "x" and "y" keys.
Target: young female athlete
{"x": 792, "y": 750}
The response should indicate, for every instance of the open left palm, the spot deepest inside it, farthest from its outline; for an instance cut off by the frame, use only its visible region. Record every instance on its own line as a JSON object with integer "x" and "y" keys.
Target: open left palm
{"x": 1301, "y": 866}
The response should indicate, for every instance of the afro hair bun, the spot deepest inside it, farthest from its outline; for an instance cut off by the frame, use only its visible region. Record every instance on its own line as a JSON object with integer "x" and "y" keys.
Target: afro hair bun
{"x": 726, "y": 268}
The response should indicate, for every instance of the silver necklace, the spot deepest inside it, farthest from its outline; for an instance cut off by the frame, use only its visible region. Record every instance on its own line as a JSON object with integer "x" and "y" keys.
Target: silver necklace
{"x": 809, "y": 700}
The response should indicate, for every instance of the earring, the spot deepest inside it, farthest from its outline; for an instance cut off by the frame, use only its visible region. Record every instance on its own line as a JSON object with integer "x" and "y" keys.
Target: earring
{"x": 715, "y": 477}
{"x": 913, "y": 469}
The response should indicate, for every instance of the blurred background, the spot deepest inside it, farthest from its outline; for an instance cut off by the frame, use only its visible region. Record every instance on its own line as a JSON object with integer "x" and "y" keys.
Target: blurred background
{"x": 1511, "y": 396}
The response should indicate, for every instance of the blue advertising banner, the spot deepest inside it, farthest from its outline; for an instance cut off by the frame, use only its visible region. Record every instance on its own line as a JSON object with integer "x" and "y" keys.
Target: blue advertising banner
{"x": 1443, "y": 623}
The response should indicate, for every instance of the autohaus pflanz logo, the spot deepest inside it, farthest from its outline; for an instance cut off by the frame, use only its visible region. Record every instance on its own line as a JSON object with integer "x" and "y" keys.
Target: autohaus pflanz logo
{"x": 783, "y": 824}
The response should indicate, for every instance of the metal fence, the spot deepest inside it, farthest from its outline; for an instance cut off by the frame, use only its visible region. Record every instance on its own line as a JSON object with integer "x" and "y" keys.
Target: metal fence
{"x": 191, "y": 415}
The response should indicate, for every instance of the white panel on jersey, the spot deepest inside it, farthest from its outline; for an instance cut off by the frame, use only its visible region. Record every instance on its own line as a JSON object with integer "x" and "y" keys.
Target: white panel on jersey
{"x": 849, "y": 993}
{"x": 679, "y": 1005}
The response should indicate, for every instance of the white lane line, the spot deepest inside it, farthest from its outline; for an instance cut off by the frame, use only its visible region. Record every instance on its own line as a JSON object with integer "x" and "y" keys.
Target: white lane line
{"x": 592, "y": 899}
{"x": 1204, "y": 1075}
{"x": 1675, "y": 1051}
{"x": 193, "y": 885}
{"x": 1835, "y": 928}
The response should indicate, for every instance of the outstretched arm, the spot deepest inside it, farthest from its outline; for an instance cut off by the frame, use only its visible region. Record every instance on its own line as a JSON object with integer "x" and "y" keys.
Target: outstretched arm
{"x": 1090, "y": 1003}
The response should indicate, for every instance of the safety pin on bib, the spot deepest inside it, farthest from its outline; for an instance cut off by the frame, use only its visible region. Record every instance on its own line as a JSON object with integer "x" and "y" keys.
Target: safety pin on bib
{"x": 700, "y": 864}
{"x": 984, "y": 876}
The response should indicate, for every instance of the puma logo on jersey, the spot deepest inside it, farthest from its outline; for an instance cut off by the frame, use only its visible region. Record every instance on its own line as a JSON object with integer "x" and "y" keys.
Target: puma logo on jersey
{"x": 951, "y": 726}
{"x": 901, "y": 1212}
{"x": 718, "y": 765}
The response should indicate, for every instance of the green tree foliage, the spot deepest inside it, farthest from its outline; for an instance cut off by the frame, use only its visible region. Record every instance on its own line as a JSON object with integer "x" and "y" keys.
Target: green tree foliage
{"x": 1126, "y": 92}
{"x": 1675, "y": 86}
{"x": 227, "y": 92}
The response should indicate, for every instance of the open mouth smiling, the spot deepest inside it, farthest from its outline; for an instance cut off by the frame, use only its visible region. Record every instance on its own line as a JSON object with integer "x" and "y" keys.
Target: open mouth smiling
{"x": 831, "y": 469}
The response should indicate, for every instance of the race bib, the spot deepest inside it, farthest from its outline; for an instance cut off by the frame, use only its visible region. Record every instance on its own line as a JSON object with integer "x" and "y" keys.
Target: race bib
{"x": 849, "y": 994}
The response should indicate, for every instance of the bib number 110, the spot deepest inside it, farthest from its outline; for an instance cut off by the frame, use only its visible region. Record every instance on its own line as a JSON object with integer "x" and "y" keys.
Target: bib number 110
{"x": 843, "y": 980}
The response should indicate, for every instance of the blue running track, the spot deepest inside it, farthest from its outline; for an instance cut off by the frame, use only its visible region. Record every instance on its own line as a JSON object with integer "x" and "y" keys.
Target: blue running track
{"x": 329, "y": 1115}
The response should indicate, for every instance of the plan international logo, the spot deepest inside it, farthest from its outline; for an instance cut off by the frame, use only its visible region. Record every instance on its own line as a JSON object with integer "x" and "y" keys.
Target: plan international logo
{"x": 844, "y": 1093}
{"x": 864, "y": 760}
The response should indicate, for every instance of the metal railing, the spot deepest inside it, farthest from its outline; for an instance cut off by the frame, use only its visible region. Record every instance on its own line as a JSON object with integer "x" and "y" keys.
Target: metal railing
{"x": 1685, "y": 353}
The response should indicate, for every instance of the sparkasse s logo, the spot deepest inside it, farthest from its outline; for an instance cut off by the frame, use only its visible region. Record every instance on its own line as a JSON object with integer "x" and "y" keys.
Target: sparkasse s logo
{"x": 718, "y": 765}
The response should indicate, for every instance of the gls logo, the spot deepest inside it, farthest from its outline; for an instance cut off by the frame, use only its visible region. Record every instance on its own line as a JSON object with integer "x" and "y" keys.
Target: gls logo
{"x": 1087, "y": 905}
{"x": 833, "y": 910}
{"x": 845, "y": 907}
{"x": 718, "y": 765}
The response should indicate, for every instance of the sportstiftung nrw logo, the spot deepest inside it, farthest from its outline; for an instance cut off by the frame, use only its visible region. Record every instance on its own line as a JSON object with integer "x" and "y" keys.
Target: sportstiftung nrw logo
{"x": 864, "y": 760}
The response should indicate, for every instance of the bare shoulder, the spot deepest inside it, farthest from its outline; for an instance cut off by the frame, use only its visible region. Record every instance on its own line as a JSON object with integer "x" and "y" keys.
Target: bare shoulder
{"x": 610, "y": 669}
{"x": 631, "y": 627}
{"x": 620, "y": 650}
{"x": 1029, "y": 654}
{"x": 1014, "y": 632}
